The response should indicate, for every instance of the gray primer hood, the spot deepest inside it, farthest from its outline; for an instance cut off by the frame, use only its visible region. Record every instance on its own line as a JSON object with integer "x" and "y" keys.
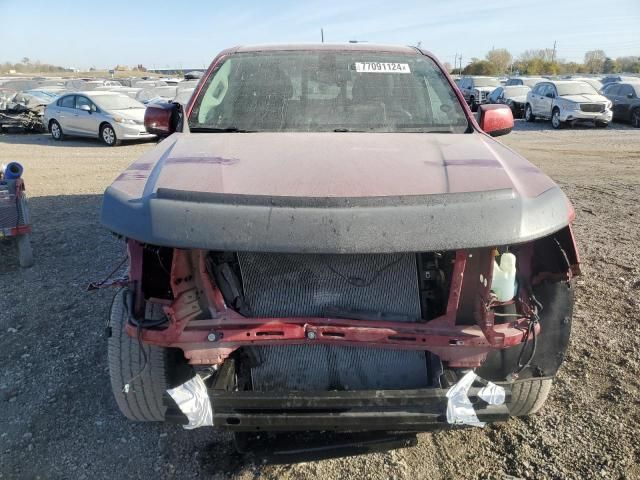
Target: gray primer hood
{"x": 220, "y": 192}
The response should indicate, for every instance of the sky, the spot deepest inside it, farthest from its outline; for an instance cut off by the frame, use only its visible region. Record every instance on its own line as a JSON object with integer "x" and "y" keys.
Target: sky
{"x": 188, "y": 34}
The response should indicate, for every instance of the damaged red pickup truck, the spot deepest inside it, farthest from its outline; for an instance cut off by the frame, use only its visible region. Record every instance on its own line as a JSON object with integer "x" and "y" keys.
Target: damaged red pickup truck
{"x": 329, "y": 240}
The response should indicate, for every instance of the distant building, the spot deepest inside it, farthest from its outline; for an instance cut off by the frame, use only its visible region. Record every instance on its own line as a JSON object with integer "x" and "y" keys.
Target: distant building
{"x": 174, "y": 71}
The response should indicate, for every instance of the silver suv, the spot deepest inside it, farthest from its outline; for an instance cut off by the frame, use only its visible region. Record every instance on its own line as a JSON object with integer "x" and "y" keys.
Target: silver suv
{"x": 566, "y": 102}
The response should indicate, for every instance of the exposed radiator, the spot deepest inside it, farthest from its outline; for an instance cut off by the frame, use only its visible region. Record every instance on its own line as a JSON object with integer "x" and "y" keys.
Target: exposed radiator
{"x": 285, "y": 285}
{"x": 329, "y": 367}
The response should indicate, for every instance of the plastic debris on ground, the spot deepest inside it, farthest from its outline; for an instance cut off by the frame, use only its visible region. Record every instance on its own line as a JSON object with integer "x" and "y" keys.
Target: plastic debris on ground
{"x": 193, "y": 400}
{"x": 460, "y": 410}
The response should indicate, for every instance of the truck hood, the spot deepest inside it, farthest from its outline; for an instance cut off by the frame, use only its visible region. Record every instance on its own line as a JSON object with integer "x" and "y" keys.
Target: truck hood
{"x": 331, "y": 165}
{"x": 333, "y": 193}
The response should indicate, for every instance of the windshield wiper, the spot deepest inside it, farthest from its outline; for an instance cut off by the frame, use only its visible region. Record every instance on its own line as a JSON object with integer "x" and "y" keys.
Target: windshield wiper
{"x": 221, "y": 130}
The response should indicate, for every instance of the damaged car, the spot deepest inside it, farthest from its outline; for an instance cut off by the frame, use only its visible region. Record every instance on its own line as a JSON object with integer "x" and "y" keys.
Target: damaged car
{"x": 24, "y": 110}
{"x": 514, "y": 96}
{"x": 328, "y": 240}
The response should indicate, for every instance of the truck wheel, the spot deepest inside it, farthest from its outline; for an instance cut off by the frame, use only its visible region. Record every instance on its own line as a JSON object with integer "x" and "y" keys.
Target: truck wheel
{"x": 555, "y": 119}
{"x": 143, "y": 400}
{"x": 528, "y": 114}
{"x": 528, "y": 396}
{"x": 25, "y": 252}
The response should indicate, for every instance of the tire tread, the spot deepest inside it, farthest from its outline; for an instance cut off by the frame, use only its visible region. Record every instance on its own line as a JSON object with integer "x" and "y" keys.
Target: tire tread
{"x": 143, "y": 402}
{"x": 528, "y": 396}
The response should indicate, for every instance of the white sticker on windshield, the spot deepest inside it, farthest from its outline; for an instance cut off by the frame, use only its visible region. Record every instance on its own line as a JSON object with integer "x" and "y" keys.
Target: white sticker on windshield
{"x": 382, "y": 67}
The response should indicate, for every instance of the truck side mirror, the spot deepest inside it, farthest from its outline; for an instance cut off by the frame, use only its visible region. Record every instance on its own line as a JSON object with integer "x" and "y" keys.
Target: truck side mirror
{"x": 161, "y": 118}
{"x": 496, "y": 119}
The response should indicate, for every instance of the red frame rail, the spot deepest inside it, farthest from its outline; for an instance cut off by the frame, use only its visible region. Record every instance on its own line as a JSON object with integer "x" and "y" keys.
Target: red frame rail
{"x": 201, "y": 324}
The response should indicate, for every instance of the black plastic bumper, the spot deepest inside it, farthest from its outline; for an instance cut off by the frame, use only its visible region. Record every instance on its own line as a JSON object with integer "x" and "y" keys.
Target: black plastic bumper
{"x": 366, "y": 410}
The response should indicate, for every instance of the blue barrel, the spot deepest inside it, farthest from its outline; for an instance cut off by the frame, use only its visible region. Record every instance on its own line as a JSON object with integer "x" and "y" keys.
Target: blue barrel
{"x": 13, "y": 171}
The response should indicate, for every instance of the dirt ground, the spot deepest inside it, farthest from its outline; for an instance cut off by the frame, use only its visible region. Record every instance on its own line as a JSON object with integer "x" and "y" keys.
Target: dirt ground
{"x": 58, "y": 418}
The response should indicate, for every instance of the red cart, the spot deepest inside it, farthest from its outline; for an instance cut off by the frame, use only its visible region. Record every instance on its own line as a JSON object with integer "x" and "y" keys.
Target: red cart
{"x": 14, "y": 217}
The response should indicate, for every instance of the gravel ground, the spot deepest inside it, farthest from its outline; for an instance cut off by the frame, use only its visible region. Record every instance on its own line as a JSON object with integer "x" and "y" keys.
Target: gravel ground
{"x": 59, "y": 419}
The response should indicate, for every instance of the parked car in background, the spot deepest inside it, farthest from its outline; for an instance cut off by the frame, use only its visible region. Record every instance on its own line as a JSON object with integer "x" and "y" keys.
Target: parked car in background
{"x": 626, "y": 101}
{"x": 594, "y": 82}
{"x": 109, "y": 116}
{"x": 171, "y": 81}
{"x": 44, "y": 95}
{"x": 129, "y": 91}
{"x": 187, "y": 84}
{"x": 51, "y": 83}
{"x": 528, "y": 81}
{"x": 476, "y": 89}
{"x": 184, "y": 95}
{"x": 94, "y": 84}
{"x": 194, "y": 75}
{"x": 76, "y": 85}
{"x": 514, "y": 96}
{"x": 567, "y": 101}
{"x": 618, "y": 78}
{"x": 148, "y": 83}
{"x": 166, "y": 93}
{"x": 18, "y": 85}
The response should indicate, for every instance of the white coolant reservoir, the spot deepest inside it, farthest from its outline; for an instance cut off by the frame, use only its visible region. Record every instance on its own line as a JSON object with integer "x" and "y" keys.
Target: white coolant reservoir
{"x": 504, "y": 277}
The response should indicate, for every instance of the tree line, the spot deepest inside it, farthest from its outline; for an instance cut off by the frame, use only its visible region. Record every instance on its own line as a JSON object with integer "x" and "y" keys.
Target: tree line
{"x": 499, "y": 61}
{"x": 26, "y": 66}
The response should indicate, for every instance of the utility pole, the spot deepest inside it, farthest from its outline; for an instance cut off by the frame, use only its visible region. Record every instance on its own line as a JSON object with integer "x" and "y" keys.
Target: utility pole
{"x": 322, "y": 35}
{"x": 455, "y": 62}
{"x": 553, "y": 57}
{"x": 460, "y": 71}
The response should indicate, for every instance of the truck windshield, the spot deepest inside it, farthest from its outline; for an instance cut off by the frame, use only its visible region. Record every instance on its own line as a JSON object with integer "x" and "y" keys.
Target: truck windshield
{"x": 310, "y": 91}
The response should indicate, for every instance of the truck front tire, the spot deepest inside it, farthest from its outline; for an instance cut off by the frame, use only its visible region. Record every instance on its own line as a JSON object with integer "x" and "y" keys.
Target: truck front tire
{"x": 142, "y": 399}
{"x": 528, "y": 396}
